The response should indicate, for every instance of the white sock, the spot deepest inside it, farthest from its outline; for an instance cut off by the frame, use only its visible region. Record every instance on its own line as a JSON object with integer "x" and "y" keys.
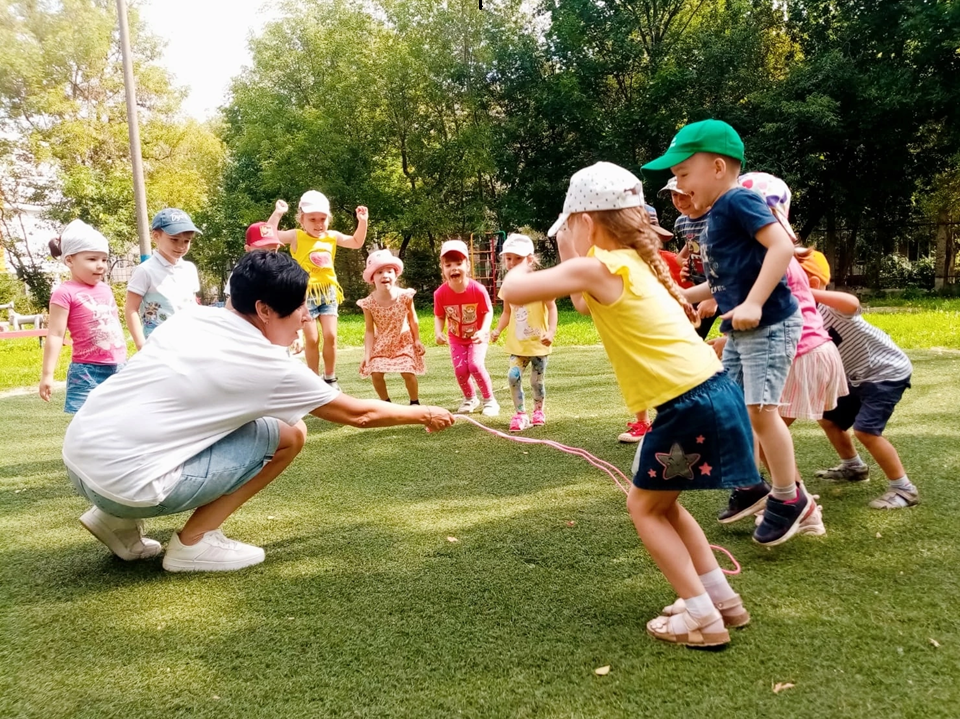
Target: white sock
{"x": 717, "y": 586}
{"x": 852, "y": 463}
{"x": 700, "y": 607}
{"x": 902, "y": 483}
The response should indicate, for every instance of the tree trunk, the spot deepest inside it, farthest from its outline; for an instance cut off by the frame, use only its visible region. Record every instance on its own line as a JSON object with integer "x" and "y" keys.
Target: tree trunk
{"x": 943, "y": 259}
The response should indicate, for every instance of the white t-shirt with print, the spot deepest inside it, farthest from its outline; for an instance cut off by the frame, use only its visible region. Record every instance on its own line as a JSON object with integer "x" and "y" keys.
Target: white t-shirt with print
{"x": 166, "y": 288}
{"x": 202, "y": 375}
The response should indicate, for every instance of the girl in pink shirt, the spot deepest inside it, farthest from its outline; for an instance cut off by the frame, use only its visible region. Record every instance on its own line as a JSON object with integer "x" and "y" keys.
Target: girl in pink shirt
{"x": 816, "y": 377}
{"x": 464, "y": 306}
{"x": 83, "y": 305}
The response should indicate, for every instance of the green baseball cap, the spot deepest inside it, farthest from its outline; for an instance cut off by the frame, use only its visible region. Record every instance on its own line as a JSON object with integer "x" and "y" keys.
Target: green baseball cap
{"x": 713, "y": 136}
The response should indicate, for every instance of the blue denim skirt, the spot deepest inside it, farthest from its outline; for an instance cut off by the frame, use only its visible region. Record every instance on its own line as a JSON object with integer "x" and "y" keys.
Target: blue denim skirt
{"x": 699, "y": 440}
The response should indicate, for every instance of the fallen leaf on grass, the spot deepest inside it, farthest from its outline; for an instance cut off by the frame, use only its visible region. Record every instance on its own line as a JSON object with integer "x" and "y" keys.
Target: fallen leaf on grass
{"x": 602, "y": 671}
{"x": 934, "y": 642}
{"x": 780, "y": 686}
{"x": 879, "y": 535}
{"x": 452, "y": 539}
{"x": 571, "y": 523}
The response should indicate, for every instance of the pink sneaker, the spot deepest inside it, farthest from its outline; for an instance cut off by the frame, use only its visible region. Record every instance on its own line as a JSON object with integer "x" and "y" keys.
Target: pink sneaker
{"x": 537, "y": 419}
{"x": 519, "y": 422}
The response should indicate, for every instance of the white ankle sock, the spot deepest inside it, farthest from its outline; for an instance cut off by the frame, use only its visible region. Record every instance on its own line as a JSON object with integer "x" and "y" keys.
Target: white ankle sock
{"x": 700, "y": 607}
{"x": 902, "y": 483}
{"x": 717, "y": 586}
{"x": 852, "y": 463}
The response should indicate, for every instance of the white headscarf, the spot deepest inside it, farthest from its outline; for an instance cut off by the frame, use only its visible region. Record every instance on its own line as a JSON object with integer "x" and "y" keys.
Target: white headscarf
{"x": 78, "y": 236}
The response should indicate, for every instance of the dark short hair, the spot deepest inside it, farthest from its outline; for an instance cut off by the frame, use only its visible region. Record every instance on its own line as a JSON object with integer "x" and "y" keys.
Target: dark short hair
{"x": 269, "y": 277}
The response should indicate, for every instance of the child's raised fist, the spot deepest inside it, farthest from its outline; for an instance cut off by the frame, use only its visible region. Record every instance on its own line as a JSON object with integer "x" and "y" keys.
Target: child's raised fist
{"x": 281, "y": 206}
{"x": 362, "y": 213}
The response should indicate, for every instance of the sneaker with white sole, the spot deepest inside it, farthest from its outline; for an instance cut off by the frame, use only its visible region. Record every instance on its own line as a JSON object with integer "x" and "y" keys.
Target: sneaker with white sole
{"x": 491, "y": 408}
{"x": 635, "y": 432}
{"x": 841, "y": 473}
{"x": 519, "y": 422}
{"x": 538, "y": 418}
{"x": 124, "y": 537}
{"x": 213, "y": 553}
{"x": 468, "y": 405}
{"x": 811, "y": 525}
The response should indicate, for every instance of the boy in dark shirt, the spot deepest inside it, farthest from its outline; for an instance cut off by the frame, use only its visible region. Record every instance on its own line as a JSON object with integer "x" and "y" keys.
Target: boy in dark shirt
{"x": 745, "y": 254}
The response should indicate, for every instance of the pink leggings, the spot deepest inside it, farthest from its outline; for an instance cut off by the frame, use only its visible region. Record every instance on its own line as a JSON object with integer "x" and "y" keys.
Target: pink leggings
{"x": 468, "y": 361}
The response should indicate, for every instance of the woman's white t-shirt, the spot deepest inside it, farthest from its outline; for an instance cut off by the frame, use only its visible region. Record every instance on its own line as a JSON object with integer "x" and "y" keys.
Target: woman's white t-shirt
{"x": 202, "y": 375}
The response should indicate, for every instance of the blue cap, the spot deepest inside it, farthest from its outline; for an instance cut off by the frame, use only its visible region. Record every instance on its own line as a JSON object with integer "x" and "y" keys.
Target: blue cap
{"x": 173, "y": 222}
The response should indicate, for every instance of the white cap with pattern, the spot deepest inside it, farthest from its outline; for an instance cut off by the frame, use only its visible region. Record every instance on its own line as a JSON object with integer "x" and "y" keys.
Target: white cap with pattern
{"x": 603, "y": 186}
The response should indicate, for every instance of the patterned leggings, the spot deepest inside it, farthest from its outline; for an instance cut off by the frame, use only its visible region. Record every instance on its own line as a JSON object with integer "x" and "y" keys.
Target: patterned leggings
{"x": 469, "y": 361}
{"x": 538, "y": 365}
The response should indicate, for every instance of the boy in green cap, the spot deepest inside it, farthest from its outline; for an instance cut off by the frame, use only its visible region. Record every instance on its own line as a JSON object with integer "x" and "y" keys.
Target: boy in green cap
{"x": 745, "y": 255}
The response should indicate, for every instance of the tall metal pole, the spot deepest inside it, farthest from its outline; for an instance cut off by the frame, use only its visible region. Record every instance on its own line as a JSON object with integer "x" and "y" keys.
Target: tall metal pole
{"x": 139, "y": 189}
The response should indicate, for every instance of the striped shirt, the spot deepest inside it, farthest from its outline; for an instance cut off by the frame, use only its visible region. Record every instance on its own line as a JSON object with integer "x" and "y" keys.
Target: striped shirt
{"x": 868, "y": 353}
{"x": 688, "y": 231}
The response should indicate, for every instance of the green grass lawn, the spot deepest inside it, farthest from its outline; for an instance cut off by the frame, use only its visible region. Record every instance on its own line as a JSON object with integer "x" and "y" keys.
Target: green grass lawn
{"x": 921, "y": 324}
{"x": 366, "y": 608}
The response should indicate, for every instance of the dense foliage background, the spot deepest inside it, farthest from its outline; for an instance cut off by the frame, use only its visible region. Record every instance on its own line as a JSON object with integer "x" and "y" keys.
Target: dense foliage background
{"x": 448, "y": 120}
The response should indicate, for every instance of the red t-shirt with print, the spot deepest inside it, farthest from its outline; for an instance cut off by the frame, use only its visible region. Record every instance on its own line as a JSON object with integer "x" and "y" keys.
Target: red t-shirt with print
{"x": 463, "y": 311}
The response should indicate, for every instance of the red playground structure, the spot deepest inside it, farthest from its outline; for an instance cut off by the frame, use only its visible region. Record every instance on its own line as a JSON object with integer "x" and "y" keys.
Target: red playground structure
{"x": 485, "y": 250}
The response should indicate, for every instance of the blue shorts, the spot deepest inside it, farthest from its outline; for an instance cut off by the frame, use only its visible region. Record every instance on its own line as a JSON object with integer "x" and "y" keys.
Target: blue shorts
{"x": 82, "y": 378}
{"x": 222, "y": 468}
{"x": 759, "y": 359}
{"x": 868, "y": 407}
{"x": 327, "y": 305}
{"x": 699, "y": 440}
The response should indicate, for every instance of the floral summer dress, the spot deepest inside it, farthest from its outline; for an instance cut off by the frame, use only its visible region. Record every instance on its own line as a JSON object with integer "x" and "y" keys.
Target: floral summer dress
{"x": 393, "y": 344}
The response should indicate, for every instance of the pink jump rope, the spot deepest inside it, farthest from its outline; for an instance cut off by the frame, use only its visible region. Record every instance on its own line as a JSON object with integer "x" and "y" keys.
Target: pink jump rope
{"x": 613, "y": 472}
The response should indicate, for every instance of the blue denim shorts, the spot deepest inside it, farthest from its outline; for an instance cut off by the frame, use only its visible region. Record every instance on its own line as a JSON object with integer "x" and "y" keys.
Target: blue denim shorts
{"x": 326, "y": 305}
{"x": 82, "y": 378}
{"x": 759, "y": 359}
{"x": 222, "y": 468}
{"x": 868, "y": 407}
{"x": 699, "y": 440}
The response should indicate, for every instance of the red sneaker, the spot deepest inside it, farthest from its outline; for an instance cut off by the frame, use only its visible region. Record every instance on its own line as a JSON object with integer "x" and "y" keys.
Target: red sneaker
{"x": 635, "y": 432}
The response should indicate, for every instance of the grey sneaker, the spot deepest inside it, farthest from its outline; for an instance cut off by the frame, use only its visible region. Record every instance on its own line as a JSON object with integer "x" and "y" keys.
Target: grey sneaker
{"x": 333, "y": 383}
{"x": 848, "y": 474}
{"x": 491, "y": 408}
{"x": 124, "y": 537}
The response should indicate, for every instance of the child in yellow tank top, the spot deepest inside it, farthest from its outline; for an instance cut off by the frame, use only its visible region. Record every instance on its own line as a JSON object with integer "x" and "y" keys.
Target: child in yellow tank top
{"x": 529, "y": 339}
{"x": 701, "y": 439}
{"x": 314, "y": 247}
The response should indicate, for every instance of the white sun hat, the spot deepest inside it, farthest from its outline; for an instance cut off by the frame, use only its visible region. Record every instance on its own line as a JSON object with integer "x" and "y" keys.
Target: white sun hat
{"x": 603, "y": 186}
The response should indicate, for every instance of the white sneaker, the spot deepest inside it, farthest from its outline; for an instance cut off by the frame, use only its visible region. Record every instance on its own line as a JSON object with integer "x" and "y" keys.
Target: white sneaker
{"x": 213, "y": 553}
{"x": 468, "y": 405}
{"x": 490, "y": 408}
{"x": 124, "y": 537}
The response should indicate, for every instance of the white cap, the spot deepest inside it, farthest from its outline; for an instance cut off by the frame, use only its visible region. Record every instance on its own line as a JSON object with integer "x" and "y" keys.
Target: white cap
{"x": 603, "y": 186}
{"x": 78, "y": 236}
{"x": 671, "y": 186}
{"x": 517, "y": 244}
{"x": 454, "y": 246}
{"x": 313, "y": 201}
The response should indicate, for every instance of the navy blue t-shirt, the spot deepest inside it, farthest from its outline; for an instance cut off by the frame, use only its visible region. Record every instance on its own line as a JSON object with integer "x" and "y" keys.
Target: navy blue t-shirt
{"x": 732, "y": 257}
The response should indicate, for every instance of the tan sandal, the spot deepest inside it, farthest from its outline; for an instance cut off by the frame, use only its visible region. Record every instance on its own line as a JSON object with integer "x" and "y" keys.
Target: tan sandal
{"x": 732, "y": 611}
{"x": 662, "y": 628}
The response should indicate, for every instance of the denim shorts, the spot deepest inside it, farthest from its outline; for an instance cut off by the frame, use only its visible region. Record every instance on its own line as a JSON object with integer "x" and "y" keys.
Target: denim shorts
{"x": 327, "y": 305}
{"x": 759, "y": 359}
{"x": 868, "y": 407}
{"x": 222, "y": 468}
{"x": 82, "y": 378}
{"x": 699, "y": 440}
